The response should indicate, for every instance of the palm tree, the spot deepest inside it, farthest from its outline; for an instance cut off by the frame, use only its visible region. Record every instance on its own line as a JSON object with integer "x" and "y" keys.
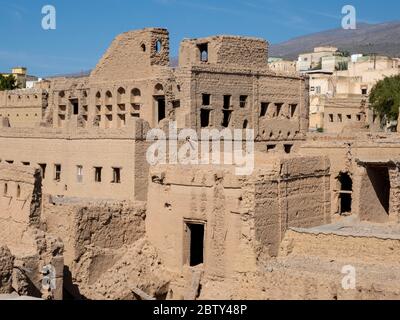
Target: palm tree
{"x": 7, "y": 82}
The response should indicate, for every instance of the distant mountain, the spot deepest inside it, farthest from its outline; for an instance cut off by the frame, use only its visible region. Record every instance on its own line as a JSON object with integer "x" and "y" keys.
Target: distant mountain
{"x": 381, "y": 38}
{"x": 80, "y": 74}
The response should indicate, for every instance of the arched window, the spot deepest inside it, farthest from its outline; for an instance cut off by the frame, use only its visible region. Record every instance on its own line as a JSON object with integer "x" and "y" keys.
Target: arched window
{"x": 158, "y": 89}
{"x": 135, "y": 95}
{"x": 98, "y": 98}
{"x": 108, "y": 98}
{"x": 158, "y": 46}
{"x": 121, "y": 95}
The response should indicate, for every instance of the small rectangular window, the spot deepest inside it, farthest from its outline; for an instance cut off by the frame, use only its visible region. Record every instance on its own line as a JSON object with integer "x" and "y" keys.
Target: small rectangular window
{"x": 206, "y": 99}
{"x": 79, "y": 174}
{"x": 271, "y": 147}
{"x": 243, "y": 101}
{"x": 116, "y": 175}
{"x": 43, "y": 170}
{"x": 25, "y": 163}
{"x": 288, "y": 148}
{"x": 359, "y": 117}
{"x": 264, "y": 109}
{"x": 227, "y": 102}
{"x": 57, "y": 172}
{"x": 10, "y": 161}
{"x": 176, "y": 104}
{"x": 331, "y": 118}
{"x": 97, "y": 174}
{"x": 349, "y": 117}
{"x": 340, "y": 118}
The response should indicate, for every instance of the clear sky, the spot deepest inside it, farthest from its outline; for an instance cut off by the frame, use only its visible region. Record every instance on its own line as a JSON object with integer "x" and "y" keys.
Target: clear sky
{"x": 85, "y": 28}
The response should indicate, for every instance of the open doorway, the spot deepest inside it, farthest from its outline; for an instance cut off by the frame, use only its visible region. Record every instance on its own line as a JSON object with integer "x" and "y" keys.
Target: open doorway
{"x": 75, "y": 106}
{"x": 194, "y": 243}
{"x": 345, "y": 193}
{"x": 379, "y": 177}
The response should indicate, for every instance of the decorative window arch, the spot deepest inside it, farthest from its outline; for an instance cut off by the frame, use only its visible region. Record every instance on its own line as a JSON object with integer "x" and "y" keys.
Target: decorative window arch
{"x": 136, "y": 95}
{"x": 109, "y": 97}
{"x": 158, "y": 89}
{"x": 121, "y": 93}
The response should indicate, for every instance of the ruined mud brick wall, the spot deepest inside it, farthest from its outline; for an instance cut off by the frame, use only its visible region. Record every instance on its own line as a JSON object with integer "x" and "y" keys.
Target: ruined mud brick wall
{"x": 96, "y": 233}
{"x": 6, "y": 270}
{"x": 223, "y": 50}
{"x": 244, "y": 217}
{"x": 309, "y": 267}
{"x": 20, "y": 222}
{"x": 298, "y": 195}
{"x": 236, "y": 67}
{"x": 88, "y": 148}
{"x": 20, "y": 205}
{"x": 23, "y": 108}
{"x": 358, "y": 157}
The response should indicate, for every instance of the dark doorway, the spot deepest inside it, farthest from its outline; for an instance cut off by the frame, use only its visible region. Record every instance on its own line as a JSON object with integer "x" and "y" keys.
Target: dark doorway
{"x": 379, "y": 177}
{"x": 75, "y": 106}
{"x": 160, "y": 108}
{"x": 205, "y": 118}
{"x": 346, "y": 191}
{"x": 196, "y": 256}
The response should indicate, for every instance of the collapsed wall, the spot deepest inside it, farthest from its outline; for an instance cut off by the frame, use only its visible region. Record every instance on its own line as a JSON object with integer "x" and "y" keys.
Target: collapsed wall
{"x": 96, "y": 235}
{"x": 20, "y": 229}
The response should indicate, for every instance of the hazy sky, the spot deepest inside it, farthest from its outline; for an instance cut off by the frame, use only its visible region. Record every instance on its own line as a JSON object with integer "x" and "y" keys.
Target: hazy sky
{"x": 85, "y": 28}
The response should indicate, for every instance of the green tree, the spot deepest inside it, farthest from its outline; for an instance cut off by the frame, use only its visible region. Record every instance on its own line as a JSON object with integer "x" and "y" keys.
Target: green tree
{"x": 8, "y": 82}
{"x": 385, "y": 98}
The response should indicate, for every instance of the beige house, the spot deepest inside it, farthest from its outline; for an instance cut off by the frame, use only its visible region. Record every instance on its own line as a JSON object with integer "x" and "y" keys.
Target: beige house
{"x": 20, "y": 74}
{"x": 312, "y": 60}
{"x": 354, "y": 83}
